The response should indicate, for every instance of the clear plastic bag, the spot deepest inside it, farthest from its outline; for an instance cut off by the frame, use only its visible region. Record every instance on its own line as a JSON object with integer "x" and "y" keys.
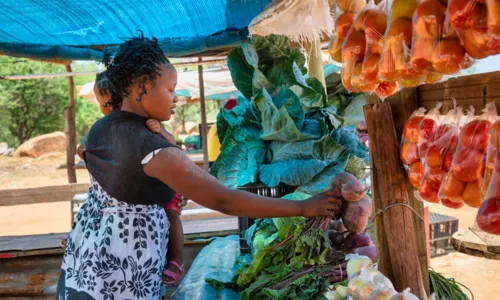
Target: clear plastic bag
{"x": 426, "y": 130}
{"x": 493, "y": 148}
{"x": 368, "y": 280}
{"x": 470, "y": 20}
{"x": 493, "y": 21}
{"x": 436, "y": 46}
{"x": 404, "y": 295}
{"x": 468, "y": 164}
{"x": 488, "y": 215}
{"x": 408, "y": 152}
{"x": 395, "y": 64}
{"x": 343, "y": 24}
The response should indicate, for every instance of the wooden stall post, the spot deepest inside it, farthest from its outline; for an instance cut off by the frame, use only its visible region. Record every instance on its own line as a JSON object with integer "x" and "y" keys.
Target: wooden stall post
{"x": 70, "y": 130}
{"x": 203, "y": 132}
{"x": 315, "y": 61}
{"x": 392, "y": 190}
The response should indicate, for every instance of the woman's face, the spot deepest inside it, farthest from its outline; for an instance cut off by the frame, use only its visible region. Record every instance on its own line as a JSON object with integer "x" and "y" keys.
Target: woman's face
{"x": 102, "y": 100}
{"x": 160, "y": 99}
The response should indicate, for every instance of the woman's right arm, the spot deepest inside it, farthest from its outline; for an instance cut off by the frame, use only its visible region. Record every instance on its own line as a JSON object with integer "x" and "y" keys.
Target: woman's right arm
{"x": 175, "y": 169}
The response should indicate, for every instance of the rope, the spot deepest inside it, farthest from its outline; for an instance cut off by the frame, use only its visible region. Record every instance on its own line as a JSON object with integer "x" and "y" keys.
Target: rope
{"x": 380, "y": 211}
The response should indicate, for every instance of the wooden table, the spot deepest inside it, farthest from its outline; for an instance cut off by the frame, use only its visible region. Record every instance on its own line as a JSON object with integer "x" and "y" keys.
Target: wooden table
{"x": 473, "y": 243}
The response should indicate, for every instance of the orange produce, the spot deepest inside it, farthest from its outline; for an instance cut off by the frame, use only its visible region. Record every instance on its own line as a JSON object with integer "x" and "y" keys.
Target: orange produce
{"x": 448, "y": 57}
{"x": 468, "y": 164}
{"x": 375, "y": 24}
{"x": 343, "y": 24}
{"x": 452, "y": 188}
{"x": 386, "y": 89}
{"x": 359, "y": 82}
{"x": 354, "y": 46}
{"x": 403, "y": 9}
{"x": 410, "y": 131}
{"x": 448, "y": 159}
{"x": 464, "y": 14}
{"x": 497, "y": 162}
{"x": 436, "y": 176}
{"x": 495, "y": 135}
{"x": 351, "y": 5}
{"x": 493, "y": 7}
{"x": 421, "y": 53}
{"x": 360, "y": 20}
{"x": 392, "y": 56}
{"x": 433, "y": 78}
{"x": 477, "y": 42}
{"x": 346, "y": 75}
{"x": 434, "y": 158}
{"x": 428, "y": 19}
{"x": 401, "y": 28}
{"x": 427, "y": 128}
{"x": 415, "y": 174}
{"x": 376, "y": 47}
{"x": 428, "y": 192}
{"x": 422, "y": 149}
{"x": 411, "y": 77}
{"x": 336, "y": 49}
{"x": 451, "y": 204}
{"x": 409, "y": 153}
{"x": 370, "y": 67}
{"x": 475, "y": 134}
{"x": 472, "y": 194}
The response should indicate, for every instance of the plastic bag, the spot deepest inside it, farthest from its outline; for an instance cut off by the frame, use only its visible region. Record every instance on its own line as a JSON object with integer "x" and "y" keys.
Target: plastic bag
{"x": 404, "y": 295}
{"x": 488, "y": 215}
{"x": 343, "y": 24}
{"x": 493, "y": 148}
{"x": 468, "y": 164}
{"x": 436, "y": 46}
{"x": 382, "y": 293}
{"x": 469, "y": 19}
{"x": 438, "y": 159}
{"x": 408, "y": 152}
{"x": 370, "y": 279}
{"x": 395, "y": 64}
{"x": 374, "y": 24}
{"x": 426, "y": 130}
{"x": 493, "y": 21}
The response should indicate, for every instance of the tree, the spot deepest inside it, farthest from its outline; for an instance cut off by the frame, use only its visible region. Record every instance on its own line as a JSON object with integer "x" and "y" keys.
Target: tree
{"x": 33, "y": 106}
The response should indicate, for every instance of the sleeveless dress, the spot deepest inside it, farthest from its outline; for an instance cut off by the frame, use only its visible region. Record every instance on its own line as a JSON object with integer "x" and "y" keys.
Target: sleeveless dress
{"x": 117, "y": 249}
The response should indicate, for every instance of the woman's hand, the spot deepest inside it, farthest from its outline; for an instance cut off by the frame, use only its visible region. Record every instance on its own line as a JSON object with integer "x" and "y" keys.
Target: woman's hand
{"x": 324, "y": 204}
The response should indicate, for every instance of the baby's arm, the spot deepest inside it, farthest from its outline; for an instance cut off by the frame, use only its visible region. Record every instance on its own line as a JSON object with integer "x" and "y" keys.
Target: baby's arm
{"x": 155, "y": 126}
{"x": 81, "y": 149}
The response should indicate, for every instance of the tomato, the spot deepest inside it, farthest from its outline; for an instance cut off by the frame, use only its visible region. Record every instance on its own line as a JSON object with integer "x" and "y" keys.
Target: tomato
{"x": 428, "y": 192}
{"x": 451, "y": 204}
{"x": 410, "y": 131}
{"x": 415, "y": 174}
{"x": 472, "y": 194}
{"x": 488, "y": 216}
{"x": 434, "y": 158}
{"x": 452, "y": 188}
{"x": 409, "y": 153}
{"x": 427, "y": 128}
{"x": 468, "y": 164}
{"x": 475, "y": 134}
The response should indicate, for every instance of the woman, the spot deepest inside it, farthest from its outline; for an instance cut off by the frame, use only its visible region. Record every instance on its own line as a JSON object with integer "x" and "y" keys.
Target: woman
{"x": 118, "y": 243}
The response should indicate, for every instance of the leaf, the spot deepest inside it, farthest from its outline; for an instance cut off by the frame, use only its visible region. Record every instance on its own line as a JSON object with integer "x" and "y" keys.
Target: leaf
{"x": 331, "y": 113}
{"x": 356, "y": 166}
{"x": 347, "y": 137}
{"x": 275, "y": 294}
{"x": 353, "y": 113}
{"x": 283, "y": 151}
{"x": 328, "y": 149}
{"x": 277, "y": 123}
{"x": 321, "y": 182}
{"x": 139, "y": 254}
{"x": 241, "y": 71}
{"x": 137, "y": 245}
{"x": 288, "y": 99}
{"x": 291, "y": 172}
{"x": 315, "y": 128}
{"x": 250, "y": 54}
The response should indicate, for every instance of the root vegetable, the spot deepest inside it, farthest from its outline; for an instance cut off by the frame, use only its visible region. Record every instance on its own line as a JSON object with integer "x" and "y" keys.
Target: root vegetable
{"x": 357, "y": 214}
{"x": 355, "y": 240}
{"x": 370, "y": 251}
{"x": 351, "y": 188}
{"x": 355, "y": 263}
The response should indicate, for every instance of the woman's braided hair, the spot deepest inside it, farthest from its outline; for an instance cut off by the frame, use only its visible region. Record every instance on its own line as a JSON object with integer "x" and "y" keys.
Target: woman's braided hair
{"x": 138, "y": 59}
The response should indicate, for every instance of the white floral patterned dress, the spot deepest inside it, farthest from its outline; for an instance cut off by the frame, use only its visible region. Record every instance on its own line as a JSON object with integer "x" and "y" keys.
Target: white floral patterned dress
{"x": 115, "y": 250}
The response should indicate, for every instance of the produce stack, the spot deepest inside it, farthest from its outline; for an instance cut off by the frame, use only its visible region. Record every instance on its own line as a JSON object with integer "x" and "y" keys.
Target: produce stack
{"x": 390, "y": 44}
{"x": 454, "y": 161}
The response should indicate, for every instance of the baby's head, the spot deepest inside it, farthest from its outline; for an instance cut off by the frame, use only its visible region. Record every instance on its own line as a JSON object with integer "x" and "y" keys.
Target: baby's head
{"x": 101, "y": 91}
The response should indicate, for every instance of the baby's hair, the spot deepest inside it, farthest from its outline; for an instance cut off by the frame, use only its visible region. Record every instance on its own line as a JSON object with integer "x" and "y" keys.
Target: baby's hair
{"x": 102, "y": 82}
{"x": 138, "y": 59}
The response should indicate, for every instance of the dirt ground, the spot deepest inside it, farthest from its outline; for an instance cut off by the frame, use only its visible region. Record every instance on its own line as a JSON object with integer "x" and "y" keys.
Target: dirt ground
{"x": 481, "y": 275}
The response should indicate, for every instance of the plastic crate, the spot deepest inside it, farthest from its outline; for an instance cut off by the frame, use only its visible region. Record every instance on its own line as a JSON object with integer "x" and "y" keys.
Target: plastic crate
{"x": 260, "y": 189}
{"x": 442, "y": 229}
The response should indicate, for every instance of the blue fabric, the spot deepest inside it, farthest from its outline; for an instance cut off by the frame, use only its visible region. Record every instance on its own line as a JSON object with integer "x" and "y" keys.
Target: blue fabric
{"x": 75, "y": 29}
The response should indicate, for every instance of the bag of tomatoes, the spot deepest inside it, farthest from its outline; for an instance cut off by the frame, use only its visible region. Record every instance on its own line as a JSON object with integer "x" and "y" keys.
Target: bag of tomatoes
{"x": 468, "y": 166}
{"x": 493, "y": 148}
{"x": 408, "y": 153}
{"x": 488, "y": 215}
{"x": 436, "y": 47}
{"x": 471, "y": 20}
{"x": 438, "y": 159}
{"x": 343, "y": 24}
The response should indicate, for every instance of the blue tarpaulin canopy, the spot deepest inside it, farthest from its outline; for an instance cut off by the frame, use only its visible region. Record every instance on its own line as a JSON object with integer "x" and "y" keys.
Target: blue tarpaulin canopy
{"x": 80, "y": 30}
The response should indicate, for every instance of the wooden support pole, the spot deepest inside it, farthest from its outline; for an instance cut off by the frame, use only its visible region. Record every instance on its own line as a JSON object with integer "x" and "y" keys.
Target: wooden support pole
{"x": 401, "y": 251}
{"x": 70, "y": 129}
{"x": 203, "y": 111}
{"x": 315, "y": 61}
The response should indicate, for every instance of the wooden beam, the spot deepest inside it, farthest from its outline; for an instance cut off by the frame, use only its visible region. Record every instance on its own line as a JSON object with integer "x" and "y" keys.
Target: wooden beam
{"x": 315, "y": 61}
{"x": 392, "y": 191}
{"x": 70, "y": 129}
{"x": 203, "y": 111}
